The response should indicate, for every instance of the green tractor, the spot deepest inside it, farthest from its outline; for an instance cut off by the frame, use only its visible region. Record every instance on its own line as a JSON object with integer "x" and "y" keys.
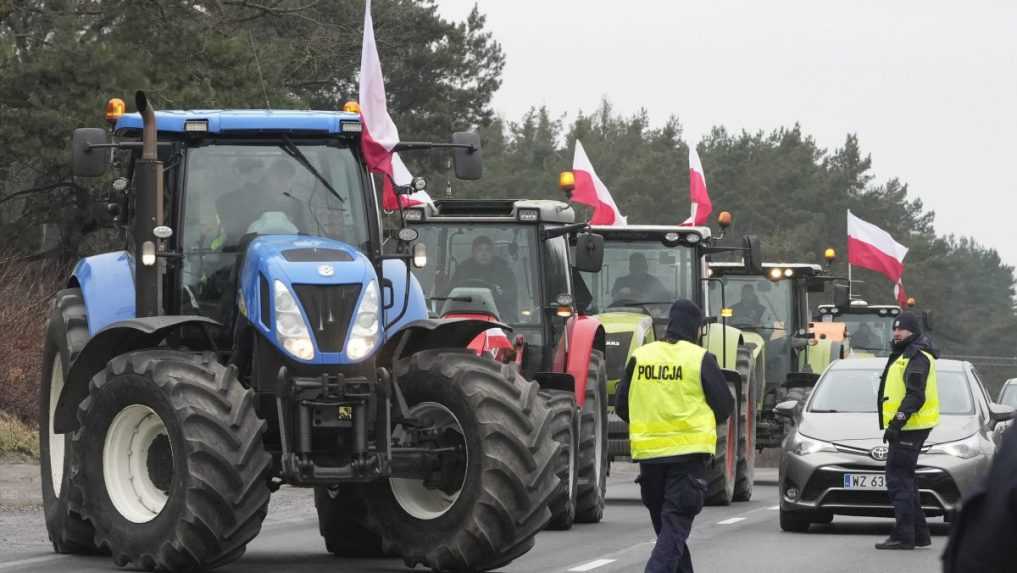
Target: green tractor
{"x": 869, "y": 326}
{"x": 772, "y": 311}
{"x": 645, "y": 269}
{"x": 251, "y": 332}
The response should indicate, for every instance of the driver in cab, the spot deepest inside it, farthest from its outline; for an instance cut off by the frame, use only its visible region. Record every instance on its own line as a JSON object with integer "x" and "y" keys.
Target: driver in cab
{"x": 748, "y": 311}
{"x": 639, "y": 285}
{"x": 487, "y": 270}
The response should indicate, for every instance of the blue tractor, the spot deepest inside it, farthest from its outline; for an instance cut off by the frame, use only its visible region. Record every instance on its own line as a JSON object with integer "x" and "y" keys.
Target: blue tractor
{"x": 258, "y": 330}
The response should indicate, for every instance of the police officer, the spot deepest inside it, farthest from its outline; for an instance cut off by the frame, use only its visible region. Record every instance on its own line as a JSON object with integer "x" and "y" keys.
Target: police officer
{"x": 673, "y": 396}
{"x": 908, "y": 410}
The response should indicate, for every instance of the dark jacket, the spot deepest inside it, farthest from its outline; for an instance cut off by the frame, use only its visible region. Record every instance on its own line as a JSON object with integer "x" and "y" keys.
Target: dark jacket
{"x": 915, "y": 377}
{"x": 984, "y": 537}
{"x": 714, "y": 387}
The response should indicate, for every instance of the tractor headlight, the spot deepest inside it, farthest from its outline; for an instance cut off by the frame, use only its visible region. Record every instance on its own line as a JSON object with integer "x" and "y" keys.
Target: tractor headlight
{"x": 366, "y": 325}
{"x": 289, "y": 324}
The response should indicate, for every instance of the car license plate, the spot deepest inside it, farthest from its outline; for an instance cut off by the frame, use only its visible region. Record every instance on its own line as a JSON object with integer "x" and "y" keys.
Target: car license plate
{"x": 865, "y": 481}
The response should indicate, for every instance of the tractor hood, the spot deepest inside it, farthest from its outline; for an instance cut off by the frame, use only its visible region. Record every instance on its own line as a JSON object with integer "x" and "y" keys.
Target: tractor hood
{"x": 328, "y": 280}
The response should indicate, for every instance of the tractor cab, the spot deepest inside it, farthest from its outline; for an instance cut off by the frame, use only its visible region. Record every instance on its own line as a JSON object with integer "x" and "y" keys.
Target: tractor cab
{"x": 869, "y": 326}
{"x": 510, "y": 262}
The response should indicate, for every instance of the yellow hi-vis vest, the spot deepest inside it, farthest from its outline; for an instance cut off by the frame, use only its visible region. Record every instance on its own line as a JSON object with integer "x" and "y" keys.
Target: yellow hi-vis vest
{"x": 668, "y": 412}
{"x": 894, "y": 390}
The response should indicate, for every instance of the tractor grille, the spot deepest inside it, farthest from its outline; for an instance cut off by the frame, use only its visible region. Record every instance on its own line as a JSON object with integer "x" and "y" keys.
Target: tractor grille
{"x": 329, "y": 310}
{"x": 617, "y": 353}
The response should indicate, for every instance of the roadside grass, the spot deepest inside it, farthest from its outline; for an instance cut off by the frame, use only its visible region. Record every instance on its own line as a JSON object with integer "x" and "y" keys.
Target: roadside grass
{"x": 17, "y": 439}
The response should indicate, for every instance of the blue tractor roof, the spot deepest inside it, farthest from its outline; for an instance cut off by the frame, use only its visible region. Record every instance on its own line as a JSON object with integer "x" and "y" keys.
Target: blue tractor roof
{"x": 248, "y": 120}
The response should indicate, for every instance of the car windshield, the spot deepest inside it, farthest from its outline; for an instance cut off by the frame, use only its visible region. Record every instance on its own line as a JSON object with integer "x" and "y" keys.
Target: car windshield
{"x": 233, "y": 191}
{"x": 870, "y": 332}
{"x": 855, "y": 390}
{"x": 642, "y": 273}
{"x": 1009, "y": 395}
{"x": 481, "y": 268}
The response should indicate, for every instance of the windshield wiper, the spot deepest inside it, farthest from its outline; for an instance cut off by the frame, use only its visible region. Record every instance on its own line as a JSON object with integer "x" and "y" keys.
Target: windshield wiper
{"x": 453, "y": 298}
{"x": 826, "y": 411}
{"x": 294, "y": 152}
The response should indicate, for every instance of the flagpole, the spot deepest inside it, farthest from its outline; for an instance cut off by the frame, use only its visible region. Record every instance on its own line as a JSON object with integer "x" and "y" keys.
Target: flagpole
{"x": 850, "y": 296}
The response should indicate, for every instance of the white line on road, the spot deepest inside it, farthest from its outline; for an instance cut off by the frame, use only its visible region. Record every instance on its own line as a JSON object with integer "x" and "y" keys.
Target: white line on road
{"x": 29, "y": 561}
{"x": 730, "y": 521}
{"x": 592, "y": 565}
{"x": 773, "y": 507}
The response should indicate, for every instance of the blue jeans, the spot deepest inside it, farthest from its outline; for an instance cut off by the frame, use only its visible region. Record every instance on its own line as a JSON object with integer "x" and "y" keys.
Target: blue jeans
{"x": 901, "y": 461}
{"x": 674, "y": 495}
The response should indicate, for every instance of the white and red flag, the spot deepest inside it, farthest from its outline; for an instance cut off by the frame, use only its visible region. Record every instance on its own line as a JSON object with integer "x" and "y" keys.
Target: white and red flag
{"x": 698, "y": 195}
{"x": 873, "y": 248}
{"x": 590, "y": 190}
{"x": 380, "y": 135}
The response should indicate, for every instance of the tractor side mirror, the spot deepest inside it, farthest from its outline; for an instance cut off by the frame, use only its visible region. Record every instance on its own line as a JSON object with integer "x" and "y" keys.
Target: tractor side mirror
{"x": 589, "y": 252}
{"x": 468, "y": 164}
{"x": 753, "y": 254}
{"x": 87, "y": 160}
{"x": 927, "y": 319}
{"x": 841, "y": 295}
{"x": 815, "y": 284}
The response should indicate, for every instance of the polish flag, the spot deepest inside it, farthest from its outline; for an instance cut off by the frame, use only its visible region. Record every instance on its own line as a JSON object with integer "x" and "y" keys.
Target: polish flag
{"x": 590, "y": 190}
{"x": 698, "y": 195}
{"x": 380, "y": 134}
{"x": 873, "y": 248}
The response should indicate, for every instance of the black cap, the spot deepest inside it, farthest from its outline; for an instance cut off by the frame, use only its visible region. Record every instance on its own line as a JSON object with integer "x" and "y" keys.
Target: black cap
{"x": 685, "y": 319}
{"x": 908, "y": 321}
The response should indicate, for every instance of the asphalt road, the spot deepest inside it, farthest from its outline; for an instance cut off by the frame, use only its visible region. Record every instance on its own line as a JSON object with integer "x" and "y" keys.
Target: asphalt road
{"x": 743, "y": 537}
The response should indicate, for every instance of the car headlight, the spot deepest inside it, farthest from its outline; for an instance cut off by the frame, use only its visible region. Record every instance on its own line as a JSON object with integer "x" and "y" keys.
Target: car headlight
{"x": 966, "y": 449}
{"x": 804, "y": 445}
{"x": 289, "y": 324}
{"x": 366, "y": 326}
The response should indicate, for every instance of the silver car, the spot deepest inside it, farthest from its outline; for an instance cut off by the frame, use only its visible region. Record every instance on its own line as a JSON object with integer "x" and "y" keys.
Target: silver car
{"x": 1008, "y": 393}
{"x": 833, "y": 462}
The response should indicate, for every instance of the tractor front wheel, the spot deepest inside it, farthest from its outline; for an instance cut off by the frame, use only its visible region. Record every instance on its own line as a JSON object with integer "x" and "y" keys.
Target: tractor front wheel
{"x": 746, "y": 469}
{"x": 66, "y": 335}
{"x": 497, "y": 474}
{"x": 563, "y": 428}
{"x": 177, "y": 478}
{"x": 593, "y": 456}
{"x": 722, "y": 470}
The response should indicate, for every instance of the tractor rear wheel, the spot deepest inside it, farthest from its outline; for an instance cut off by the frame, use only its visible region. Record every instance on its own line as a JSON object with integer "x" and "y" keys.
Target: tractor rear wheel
{"x": 563, "y": 429}
{"x": 746, "y": 469}
{"x": 341, "y": 521}
{"x": 66, "y": 335}
{"x": 177, "y": 478}
{"x": 494, "y": 496}
{"x": 593, "y": 456}
{"x": 721, "y": 471}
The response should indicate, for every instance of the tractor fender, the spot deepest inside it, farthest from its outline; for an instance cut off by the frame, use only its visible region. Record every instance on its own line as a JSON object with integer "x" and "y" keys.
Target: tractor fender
{"x": 723, "y": 341}
{"x": 434, "y": 333}
{"x": 585, "y": 334}
{"x": 107, "y": 285}
{"x": 116, "y": 339}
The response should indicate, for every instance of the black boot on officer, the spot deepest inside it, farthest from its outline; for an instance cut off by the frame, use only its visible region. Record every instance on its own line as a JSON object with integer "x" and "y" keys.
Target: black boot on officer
{"x": 673, "y": 396}
{"x": 908, "y": 409}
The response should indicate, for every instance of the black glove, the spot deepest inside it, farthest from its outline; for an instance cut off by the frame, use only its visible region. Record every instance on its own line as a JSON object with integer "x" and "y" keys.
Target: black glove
{"x": 892, "y": 433}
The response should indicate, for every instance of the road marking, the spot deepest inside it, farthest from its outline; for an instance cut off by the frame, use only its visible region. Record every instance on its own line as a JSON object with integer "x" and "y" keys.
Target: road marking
{"x": 730, "y": 521}
{"x": 30, "y": 561}
{"x": 592, "y": 565}
{"x": 773, "y": 507}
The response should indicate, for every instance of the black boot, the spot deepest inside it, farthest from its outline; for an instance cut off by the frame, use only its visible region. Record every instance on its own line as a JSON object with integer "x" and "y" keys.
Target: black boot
{"x": 892, "y": 543}
{"x": 923, "y": 540}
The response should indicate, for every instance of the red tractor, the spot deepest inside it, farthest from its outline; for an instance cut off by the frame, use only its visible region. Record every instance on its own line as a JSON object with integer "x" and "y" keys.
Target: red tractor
{"x": 516, "y": 264}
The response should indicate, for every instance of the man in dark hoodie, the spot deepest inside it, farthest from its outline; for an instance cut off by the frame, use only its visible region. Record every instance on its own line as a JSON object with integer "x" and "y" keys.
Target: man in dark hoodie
{"x": 673, "y": 396}
{"x": 908, "y": 408}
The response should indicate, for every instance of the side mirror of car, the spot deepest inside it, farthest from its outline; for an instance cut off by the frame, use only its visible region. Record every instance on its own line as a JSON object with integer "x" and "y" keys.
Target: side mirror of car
{"x": 786, "y": 409}
{"x": 589, "y": 252}
{"x": 1001, "y": 412}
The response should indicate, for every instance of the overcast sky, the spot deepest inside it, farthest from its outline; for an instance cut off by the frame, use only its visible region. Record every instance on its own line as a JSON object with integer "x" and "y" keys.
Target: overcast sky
{"x": 929, "y": 87}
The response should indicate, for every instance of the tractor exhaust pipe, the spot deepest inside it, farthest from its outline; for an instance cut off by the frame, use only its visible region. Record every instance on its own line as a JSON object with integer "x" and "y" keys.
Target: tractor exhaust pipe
{"x": 148, "y": 201}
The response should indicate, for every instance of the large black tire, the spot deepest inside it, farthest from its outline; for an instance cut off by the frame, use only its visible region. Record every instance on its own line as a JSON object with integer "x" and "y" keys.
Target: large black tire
{"x": 207, "y": 438}
{"x": 593, "y": 459}
{"x": 562, "y": 406}
{"x": 509, "y": 472}
{"x": 66, "y": 335}
{"x": 745, "y": 471}
{"x": 342, "y": 516}
{"x": 722, "y": 469}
